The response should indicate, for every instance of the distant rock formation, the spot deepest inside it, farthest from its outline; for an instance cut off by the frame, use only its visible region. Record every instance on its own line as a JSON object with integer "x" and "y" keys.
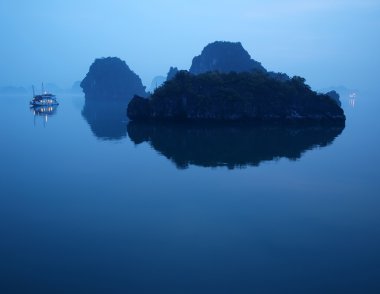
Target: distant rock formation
{"x": 53, "y": 88}
{"x": 156, "y": 82}
{"x": 232, "y": 145}
{"x": 171, "y": 74}
{"x": 111, "y": 79}
{"x": 10, "y": 90}
{"x": 334, "y": 96}
{"x": 224, "y": 57}
{"x": 235, "y": 96}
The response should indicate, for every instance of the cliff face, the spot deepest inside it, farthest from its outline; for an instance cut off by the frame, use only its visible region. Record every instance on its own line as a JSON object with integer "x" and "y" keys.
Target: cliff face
{"x": 111, "y": 79}
{"x": 224, "y": 57}
{"x": 235, "y": 97}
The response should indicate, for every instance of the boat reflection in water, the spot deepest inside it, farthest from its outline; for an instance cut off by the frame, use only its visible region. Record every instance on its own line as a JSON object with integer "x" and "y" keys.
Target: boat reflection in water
{"x": 232, "y": 146}
{"x": 43, "y": 111}
{"x": 352, "y": 99}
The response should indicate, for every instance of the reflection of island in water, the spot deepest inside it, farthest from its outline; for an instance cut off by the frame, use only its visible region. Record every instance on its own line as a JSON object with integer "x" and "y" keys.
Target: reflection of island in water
{"x": 231, "y": 146}
{"x": 106, "y": 118}
{"x": 43, "y": 111}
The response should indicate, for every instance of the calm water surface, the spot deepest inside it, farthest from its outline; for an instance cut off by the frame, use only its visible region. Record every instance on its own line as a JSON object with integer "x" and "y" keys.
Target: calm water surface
{"x": 92, "y": 204}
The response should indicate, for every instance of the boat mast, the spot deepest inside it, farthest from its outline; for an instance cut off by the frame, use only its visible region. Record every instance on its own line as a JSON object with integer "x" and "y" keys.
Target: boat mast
{"x": 42, "y": 88}
{"x": 33, "y": 91}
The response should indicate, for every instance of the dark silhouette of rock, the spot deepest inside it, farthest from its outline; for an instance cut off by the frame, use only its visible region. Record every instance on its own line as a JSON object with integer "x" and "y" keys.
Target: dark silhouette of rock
{"x": 106, "y": 118}
{"x": 224, "y": 57}
{"x": 232, "y": 145}
{"x": 334, "y": 96}
{"x": 171, "y": 74}
{"x": 235, "y": 97}
{"x": 140, "y": 108}
{"x": 110, "y": 78}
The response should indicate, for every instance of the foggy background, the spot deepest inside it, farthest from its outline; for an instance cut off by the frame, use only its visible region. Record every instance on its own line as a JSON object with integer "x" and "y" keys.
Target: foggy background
{"x": 330, "y": 43}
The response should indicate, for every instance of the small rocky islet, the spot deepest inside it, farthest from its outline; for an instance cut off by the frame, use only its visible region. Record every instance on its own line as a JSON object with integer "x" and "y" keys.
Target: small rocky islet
{"x": 111, "y": 79}
{"x": 223, "y": 84}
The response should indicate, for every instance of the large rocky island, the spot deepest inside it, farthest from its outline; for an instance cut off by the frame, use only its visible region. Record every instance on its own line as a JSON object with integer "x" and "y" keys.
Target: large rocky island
{"x": 225, "y": 84}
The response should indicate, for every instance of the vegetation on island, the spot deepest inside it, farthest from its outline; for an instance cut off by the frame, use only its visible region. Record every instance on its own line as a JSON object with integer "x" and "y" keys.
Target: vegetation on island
{"x": 334, "y": 96}
{"x": 233, "y": 96}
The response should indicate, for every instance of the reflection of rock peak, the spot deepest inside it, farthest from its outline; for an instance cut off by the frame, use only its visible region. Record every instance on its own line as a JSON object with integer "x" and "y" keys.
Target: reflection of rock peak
{"x": 231, "y": 146}
{"x": 106, "y": 118}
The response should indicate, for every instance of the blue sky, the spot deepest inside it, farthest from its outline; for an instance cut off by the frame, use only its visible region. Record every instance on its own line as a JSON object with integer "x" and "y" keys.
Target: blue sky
{"x": 327, "y": 42}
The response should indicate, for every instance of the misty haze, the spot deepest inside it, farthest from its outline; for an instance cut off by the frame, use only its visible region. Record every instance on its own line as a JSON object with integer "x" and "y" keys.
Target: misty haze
{"x": 189, "y": 146}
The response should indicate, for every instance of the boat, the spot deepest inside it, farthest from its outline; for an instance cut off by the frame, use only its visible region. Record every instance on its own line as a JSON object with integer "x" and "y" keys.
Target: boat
{"x": 44, "y": 99}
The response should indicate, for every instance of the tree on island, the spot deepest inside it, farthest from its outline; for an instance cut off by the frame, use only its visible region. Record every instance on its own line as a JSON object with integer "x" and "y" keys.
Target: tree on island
{"x": 334, "y": 96}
